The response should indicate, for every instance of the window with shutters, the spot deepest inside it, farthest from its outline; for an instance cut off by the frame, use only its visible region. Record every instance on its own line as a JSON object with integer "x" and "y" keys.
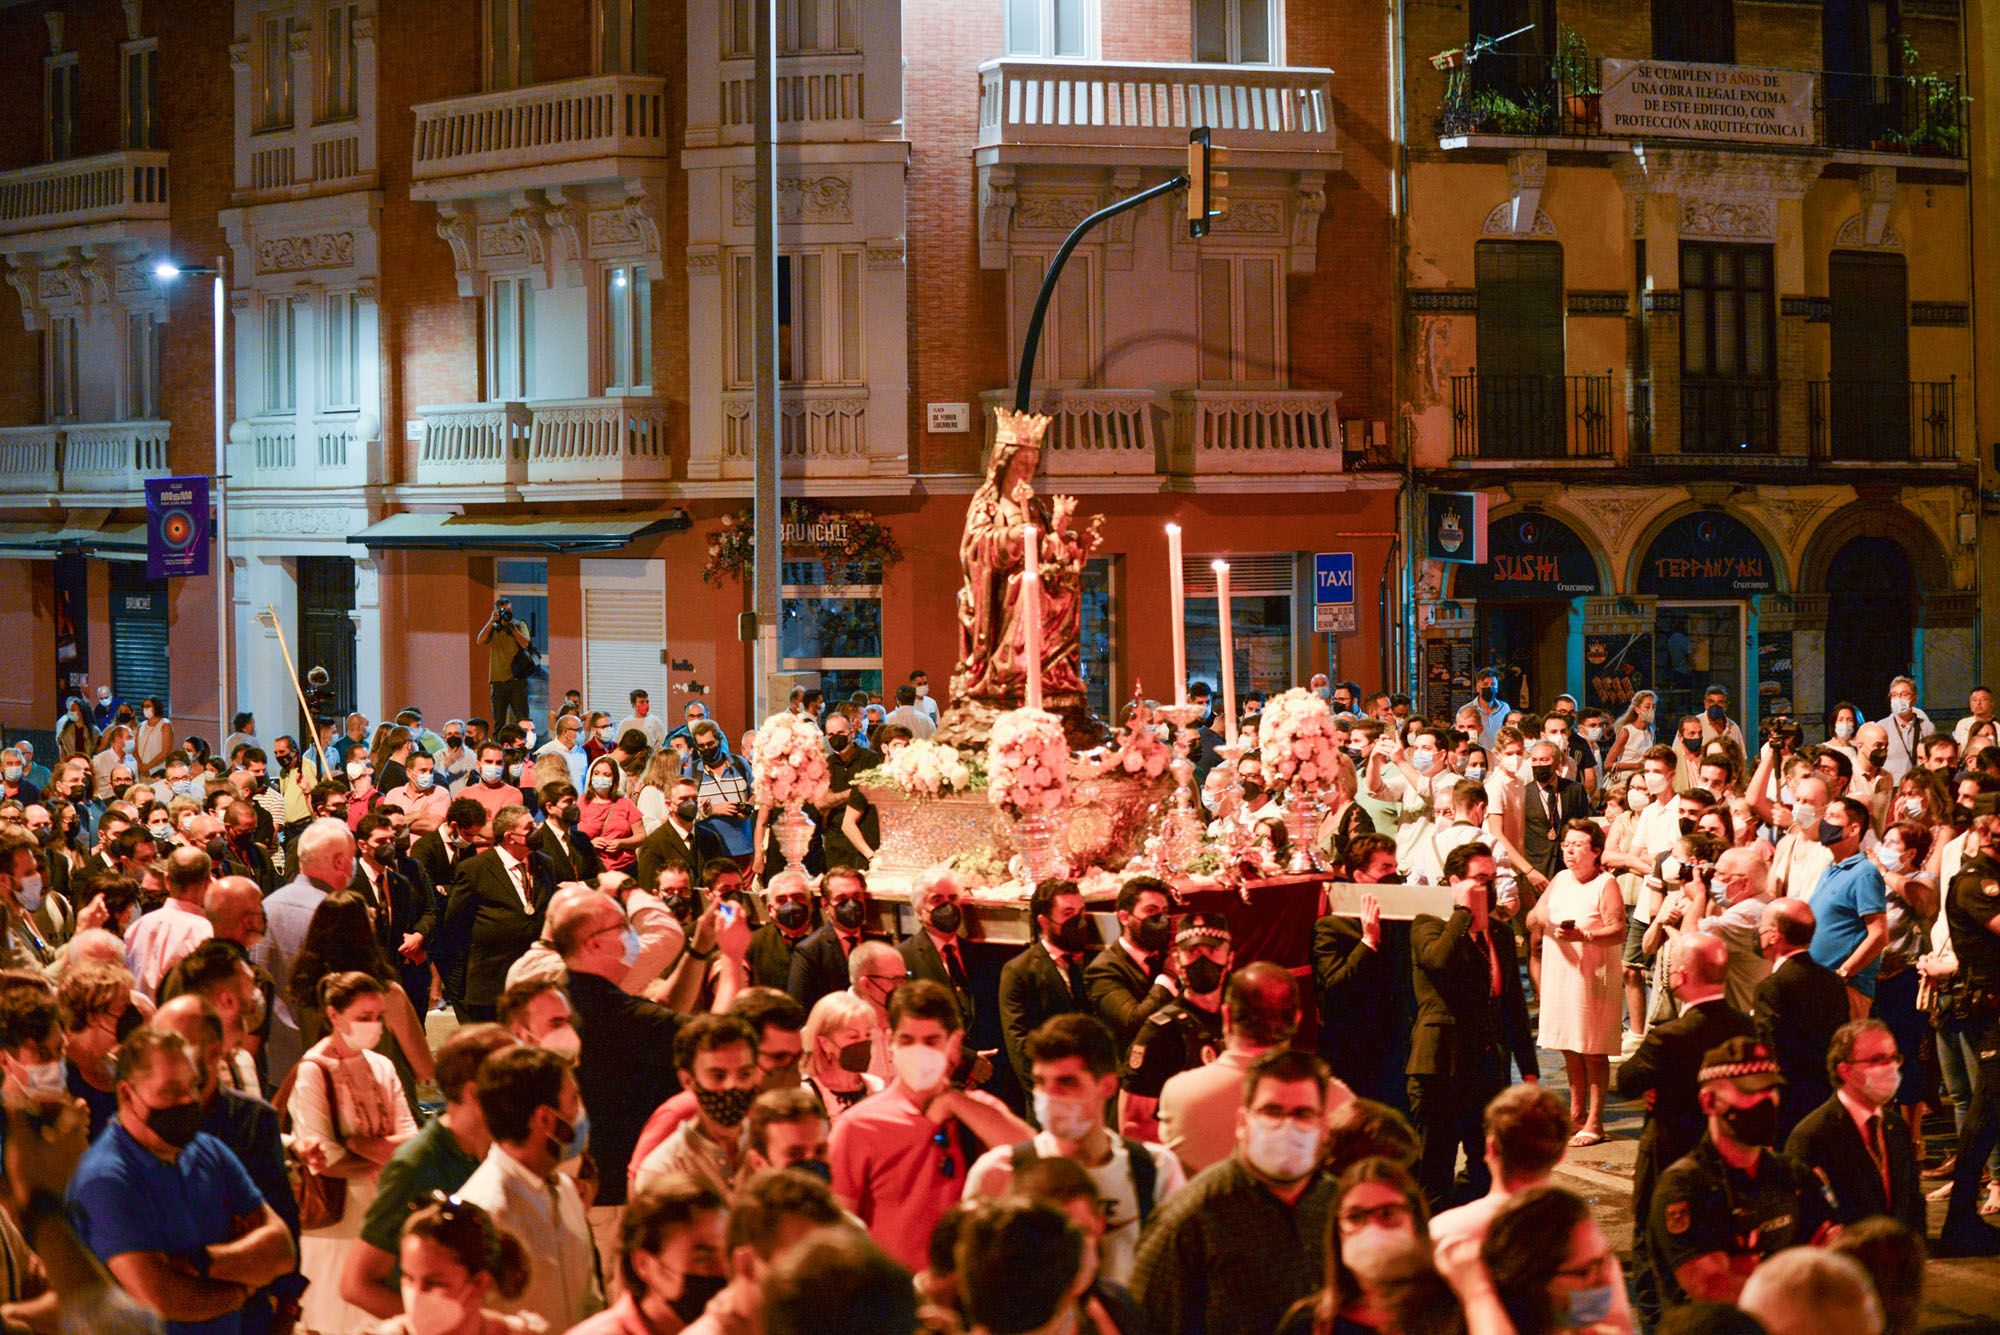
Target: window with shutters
{"x": 1695, "y": 30}
{"x": 624, "y": 630}
{"x": 508, "y": 35}
{"x": 1239, "y": 32}
{"x": 142, "y": 368}
{"x": 621, "y": 36}
{"x": 59, "y": 376}
{"x": 1262, "y": 598}
{"x": 1729, "y": 391}
{"x": 510, "y": 339}
{"x": 1520, "y": 324}
{"x": 628, "y": 329}
{"x": 139, "y": 94}
{"x": 1868, "y": 393}
{"x": 340, "y": 339}
{"x": 1069, "y": 353}
{"x": 832, "y": 628}
{"x": 272, "y": 69}
{"x": 339, "y": 60}
{"x": 1242, "y": 321}
{"x": 281, "y": 336}
{"x": 819, "y": 317}
{"x": 805, "y": 27}
{"x": 59, "y": 95}
{"x": 1103, "y": 580}
{"x": 1066, "y": 29}
{"x": 138, "y": 634}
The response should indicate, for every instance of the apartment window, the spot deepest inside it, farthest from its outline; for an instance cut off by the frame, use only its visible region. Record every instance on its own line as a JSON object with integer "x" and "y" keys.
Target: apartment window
{"x": 1695, "y": 30}
{"x": 1068, "y": 353}
{"x": 1238, "y": 32}
{"x": 510, "y": 338}
{"x": 1520, "y": 332}
{"x": 1519, "y": 66}
{"x": 281, "y": 372}
{"x": 141, "y": 94}
{"x": 628, "y": 328}
{"x": 142, "y": 368}
{"x": 1242, "y": 320}
{"x": 621, "y": 36}
{"x": 340, "y": 334}
{"x": 59, "y": 92}
{"x": 339, "y": 60}
{"x": 59, "y": 387}
{"x": 509, "y": 38}
{"x": 1728, "y": 341}
{"x": 1261, "y": 620}
{"x": 1061, "y": 28}
{"x": 274, "y": 72}
{"x": 804, "y": 27}
{"x": 819, "y": 318}
{"x": 1869, "y": 382}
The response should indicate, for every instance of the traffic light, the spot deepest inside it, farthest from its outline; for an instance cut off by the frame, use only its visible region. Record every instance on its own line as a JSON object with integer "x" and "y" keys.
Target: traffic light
{"x": 1204, "y": 179}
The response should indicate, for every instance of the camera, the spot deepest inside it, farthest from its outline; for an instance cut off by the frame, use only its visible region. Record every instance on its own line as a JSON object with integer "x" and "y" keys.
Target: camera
{"x": 503, "y": 611}
{"x": 1782, "y": 733}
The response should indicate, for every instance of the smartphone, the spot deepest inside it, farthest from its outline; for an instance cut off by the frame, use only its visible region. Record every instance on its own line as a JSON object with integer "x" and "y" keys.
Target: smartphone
{"x": 1566, "y": 925}
{"x": 725, "y": 913}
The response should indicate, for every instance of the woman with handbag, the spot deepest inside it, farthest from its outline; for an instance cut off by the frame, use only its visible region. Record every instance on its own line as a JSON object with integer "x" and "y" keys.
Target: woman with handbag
{"x": 348, "y": 1116}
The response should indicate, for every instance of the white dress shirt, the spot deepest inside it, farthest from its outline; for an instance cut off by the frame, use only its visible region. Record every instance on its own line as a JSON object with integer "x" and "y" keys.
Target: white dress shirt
{"x": 548, "y": 1217}
{"x": 163, "y": 938}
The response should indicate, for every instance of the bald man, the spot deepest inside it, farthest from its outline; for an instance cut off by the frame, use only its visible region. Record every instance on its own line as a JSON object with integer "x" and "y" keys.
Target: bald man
{"x": 1198, "y": 1107}
{"x": 1798, "y": 1007}
{"x": 161, "y": 939}
{"x": 1662, "y": 1069}
{"x": 1740, "y": 888}
{"x": 235, "y": 909}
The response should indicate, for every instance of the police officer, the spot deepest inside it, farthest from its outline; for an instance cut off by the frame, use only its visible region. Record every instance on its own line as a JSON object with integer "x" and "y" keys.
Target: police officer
{"x": 1972, "y": 910}
{"x": 1733, "y": 1200}
{"x": 1184, "y": 1033}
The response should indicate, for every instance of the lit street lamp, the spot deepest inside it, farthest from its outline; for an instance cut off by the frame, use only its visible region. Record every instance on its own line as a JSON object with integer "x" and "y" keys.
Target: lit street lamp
{"x": 167, "y": 271}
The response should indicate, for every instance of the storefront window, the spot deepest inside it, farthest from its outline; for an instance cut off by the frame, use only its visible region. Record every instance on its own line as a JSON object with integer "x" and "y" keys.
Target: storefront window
{"x": 526, "y": 583}
{"x": 1261, "y": 620}
{"x": 1695, "y": 647}
{"x": 833, "y": 629}
{"x": 1705, "y": 568}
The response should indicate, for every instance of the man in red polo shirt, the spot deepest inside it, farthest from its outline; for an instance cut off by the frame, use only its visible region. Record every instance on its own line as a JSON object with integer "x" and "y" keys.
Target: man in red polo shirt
{"x": 900, "y": 1157}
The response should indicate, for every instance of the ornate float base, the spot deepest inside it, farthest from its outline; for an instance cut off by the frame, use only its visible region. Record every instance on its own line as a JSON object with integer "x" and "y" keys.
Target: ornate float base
{"x": 1105, "y": 824}
{"x": 968, "y": 723}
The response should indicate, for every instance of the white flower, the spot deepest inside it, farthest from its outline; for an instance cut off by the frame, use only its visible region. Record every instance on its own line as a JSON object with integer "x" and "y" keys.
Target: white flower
{"x": 1296, "y": 742}
{"x": 788, "y": 757}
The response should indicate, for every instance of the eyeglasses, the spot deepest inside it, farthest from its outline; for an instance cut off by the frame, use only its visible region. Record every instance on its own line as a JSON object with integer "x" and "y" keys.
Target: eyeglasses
{"x": 1588, "y": 1271}
{"x": 1389, "y": 1215}
{"x": 1273, "y": 1118}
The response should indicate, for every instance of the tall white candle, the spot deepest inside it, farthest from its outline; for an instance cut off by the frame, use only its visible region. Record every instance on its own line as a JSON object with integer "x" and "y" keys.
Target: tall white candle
{"x": 1031, "y": 612}
{"x": 1177, "y": 611}
{"x": 1228, "y": 652}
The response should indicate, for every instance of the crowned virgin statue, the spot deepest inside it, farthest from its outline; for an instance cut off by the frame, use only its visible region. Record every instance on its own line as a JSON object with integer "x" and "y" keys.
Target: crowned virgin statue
{"x": 991, "y": 676}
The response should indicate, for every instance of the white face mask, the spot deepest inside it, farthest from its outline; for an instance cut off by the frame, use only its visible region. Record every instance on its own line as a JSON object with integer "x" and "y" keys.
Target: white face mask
{"x": 1879, "y": 1083}
{"x": 1844, "y": 729}
{"x": 920, "y": 1068}
{"x": 364, "y": 1034}
{"x": 1065, "y": 1118}
{"x": 1891, "y": 858}
{"x": 923, "y": 691}
{"x": 1900, "y": 706}
{"x": 1283, "y": 1153}
{"x": 1638, "y": 799}
{"x": 1805, "y": 816}
{"x": 46, "y": 1082}
{"x": 1369, "y": 1252}
{"x": 430, "y": 1312}
{"x": 1656, "y": 784}
{"x": 1910, "y": 807}
{"x": 565, "y": 1040}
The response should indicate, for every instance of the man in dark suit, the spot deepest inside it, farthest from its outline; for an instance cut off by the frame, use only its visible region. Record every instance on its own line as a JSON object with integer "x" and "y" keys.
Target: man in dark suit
{"x": 935, "y": 951}
{"x": 572, "y": 857}
{"x": 495, "y": 911}
{"x": 1799, "y": 1005}
{"x": 397, "y": 904}
{"x": 788, "y": 921}
{"x": 439, "y": 856}
{"x": 1856, "y": 1142}
{"x": 679, "y": 838}
{"x": 1547, "y": 804}
{"x": 1471, "y": 1020}
{"x": 819, "y": 965}
{"x": 1046, "y": 979}
{"x": 1363, "y": 1036}
{"x": 1664, "y": 1068}
{"x": 1128, "y": 980}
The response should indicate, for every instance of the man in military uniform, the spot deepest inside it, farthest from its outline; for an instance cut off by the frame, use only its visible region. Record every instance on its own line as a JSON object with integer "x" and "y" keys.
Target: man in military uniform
{"x": 1972, "y": 909}
{"x": 1732, "y": 1201}
{"x": 1184, "y": 1033}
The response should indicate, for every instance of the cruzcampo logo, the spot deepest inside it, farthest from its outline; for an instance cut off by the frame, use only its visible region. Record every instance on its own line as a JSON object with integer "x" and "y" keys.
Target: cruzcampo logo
{"x": 1451, "y": 533}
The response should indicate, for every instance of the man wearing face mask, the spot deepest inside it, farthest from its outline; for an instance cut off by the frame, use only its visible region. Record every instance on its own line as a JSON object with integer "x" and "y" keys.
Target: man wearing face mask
{"x": 1551, "y": 802}
{"x": 1905, "y": 727}
{"x": 162, "y": 939}
{"x": 424, "y": 799}
{"x": 1184, "y": 1033}
{"x": 1268, "y": 1200}
{"x": 21, "y": 895}
{"x": 1733, "y": 1200}
{"x": 495, "y": 911}
{"x": 326, "y": 864}
{"x": 1851, "y": 906}
{"x": 1803, "y": 856}
{"x": 1254, "y": 802}
{"x": 1075, "y": 1071}
{"x": 529, "y": 1100}
{"x": 788, "y": 921}
{"x": 207, "y": 1239}
{"x": 1046, "y": 979}
{"x": 936, "y": 952}
{"x": 819, "y": 965}
{"x": 717, "y": 1059}
{"x": 1129, "y": 979}
{"x": 1856, "y": 1142}
{"x": 572, "y": 856}
{"x": 682, "y": 837}
{"x": 220, "y": 973}
{"x": 722, "y": 789}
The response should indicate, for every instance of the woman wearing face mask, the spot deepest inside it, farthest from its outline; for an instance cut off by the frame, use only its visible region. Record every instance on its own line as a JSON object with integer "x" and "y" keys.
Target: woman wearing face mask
{"x": 608, "y": 818}
{"x": 76, "y": 735}
{"x": 839, "y": 1043}
{"x": 1582, "y": 917}
{"x": 349, "y": 1114}
{"x": 672, "y": 1256}
{"x": 452, "y": 1260}
{"x": 1377, "y": 1241}
{"x": 1841, "y": 722}
{"x": 1921, "y": 797}
{"x": 341, "y": 939}
{"x": 1631, "y": 735}
{"x": 1912, "y": 905}
{"x": 95, "y": 1003}
{"x": 1552, "y": 1268}
{"x": 156, "y": 736}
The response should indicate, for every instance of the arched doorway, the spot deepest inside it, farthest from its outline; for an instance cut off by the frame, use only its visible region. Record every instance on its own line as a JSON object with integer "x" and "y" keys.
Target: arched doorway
{"x": 1871, "y": 621}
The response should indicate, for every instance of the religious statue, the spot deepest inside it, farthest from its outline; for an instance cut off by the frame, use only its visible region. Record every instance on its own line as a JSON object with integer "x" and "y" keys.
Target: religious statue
{"x": 991, "y": 676}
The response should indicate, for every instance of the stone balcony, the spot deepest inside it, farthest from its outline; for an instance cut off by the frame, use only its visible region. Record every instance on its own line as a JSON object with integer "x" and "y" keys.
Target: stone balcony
{"x": 823, "y": 432}
{"x": 818, "y": 96}
{"x": 303, "y": 453}
{"x": 105, "y": 460}
{"x": 111, "y": 197}
{"x": 605, "y": 128}
{"x": 546, "y": 442}
{"x": 1218, "y": 439}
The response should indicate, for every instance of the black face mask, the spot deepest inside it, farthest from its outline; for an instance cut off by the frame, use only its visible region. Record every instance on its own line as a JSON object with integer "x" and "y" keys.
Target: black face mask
{"x": 217, "y": 850}
{"x": 1153, "y": 934}
{"x": 839, "y": 744}
{"x": 1544, "y": 774}
{"x": 681, "y": 906}
{"x": 1756, "y": 1124}
{"x": 177, "y": 1124}
{"x": 855, "y": 1056}
{"x": 1691, "y": 743}
{"x": 685, "y": 812}
{"x": 790, "y": 916}
{"x": 1487, "y": 693}
{"x": 453, "y": 742}
{"x": 725, "y": 1107}
{"x": 850, "y": 913}
{"x": 1071, "y": 934}
{"x": 1878, "y": 757}
{"x": 1251, "y": 791}
{"x": 1686, "y": 826}
{"x": 696, "y": 1290}
{"x": 946, "y": 917}
{"x": 818, "y": 1168}
{"x": 1961, "y": 814}
{"x": 709, "y": 754}
{"x": 1203, "y": 975}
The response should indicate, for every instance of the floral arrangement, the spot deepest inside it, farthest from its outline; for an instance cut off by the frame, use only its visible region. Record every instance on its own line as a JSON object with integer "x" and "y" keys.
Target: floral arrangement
{"x": 847, "y": 542}
{"x": 979, "y": 867}
{"x": 1027, "y": 762}
{"x": 789, "y": 761}
{"x": 1140, "y": 751}
{"x": 1298, "y": 749}
{"x": 928, "y": 769}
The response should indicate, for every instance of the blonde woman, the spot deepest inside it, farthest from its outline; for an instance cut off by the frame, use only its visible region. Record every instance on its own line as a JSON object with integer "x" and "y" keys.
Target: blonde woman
{"x": 1632, "y": 735}
{"x": 838, "y": 1044}
{"x": 655, "y": 787}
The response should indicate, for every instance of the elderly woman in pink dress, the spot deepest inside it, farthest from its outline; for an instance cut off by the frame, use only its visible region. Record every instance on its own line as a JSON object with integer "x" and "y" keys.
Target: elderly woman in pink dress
{"x": 1582, "y": 916}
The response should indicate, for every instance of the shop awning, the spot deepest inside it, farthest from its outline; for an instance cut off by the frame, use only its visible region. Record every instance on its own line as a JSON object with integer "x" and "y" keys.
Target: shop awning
{"x": 419, "y": 532}
{"x": 45, "y": 542}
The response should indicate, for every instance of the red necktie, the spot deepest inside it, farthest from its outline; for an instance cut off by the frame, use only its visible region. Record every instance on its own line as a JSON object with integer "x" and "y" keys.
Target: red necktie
{"x": 1485, "y": 945}
{"x": 1880, "y": 1153}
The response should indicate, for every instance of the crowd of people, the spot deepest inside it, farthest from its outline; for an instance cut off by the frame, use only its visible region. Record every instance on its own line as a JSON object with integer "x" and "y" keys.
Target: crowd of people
{"x": 510, "y": 1028}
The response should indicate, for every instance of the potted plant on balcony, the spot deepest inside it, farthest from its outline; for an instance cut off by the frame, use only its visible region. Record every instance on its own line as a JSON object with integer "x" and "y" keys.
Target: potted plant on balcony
{"x": 1935, "y": 104}
{"x": 1577, "y": 79}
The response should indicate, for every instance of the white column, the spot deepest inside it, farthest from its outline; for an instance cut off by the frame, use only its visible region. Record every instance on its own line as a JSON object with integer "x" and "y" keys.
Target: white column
{"x": 367, "y": 618}
{"x": 265, "y": 579}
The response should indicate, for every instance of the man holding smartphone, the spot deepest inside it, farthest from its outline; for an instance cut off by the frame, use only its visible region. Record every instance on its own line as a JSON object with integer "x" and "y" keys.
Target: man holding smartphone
{"x": 504, "y": 637}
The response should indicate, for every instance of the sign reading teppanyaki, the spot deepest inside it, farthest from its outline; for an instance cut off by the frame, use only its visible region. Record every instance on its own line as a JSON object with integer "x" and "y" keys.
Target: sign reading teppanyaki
{"x": 1707, "y": 554}
{"x": 1665, "y": 99}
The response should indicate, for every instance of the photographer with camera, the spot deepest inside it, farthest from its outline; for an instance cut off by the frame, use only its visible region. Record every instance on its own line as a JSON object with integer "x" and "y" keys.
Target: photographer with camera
{"x": 506, "y": 640}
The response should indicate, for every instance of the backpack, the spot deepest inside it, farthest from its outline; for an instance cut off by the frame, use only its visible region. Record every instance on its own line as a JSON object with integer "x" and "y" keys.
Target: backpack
{"x": 525, "y": 665}
{"x": 1145, "y": 1173}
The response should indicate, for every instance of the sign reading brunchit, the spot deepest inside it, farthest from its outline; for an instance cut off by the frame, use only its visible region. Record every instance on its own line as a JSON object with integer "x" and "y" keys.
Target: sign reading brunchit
{"x": 1664, "y": 99}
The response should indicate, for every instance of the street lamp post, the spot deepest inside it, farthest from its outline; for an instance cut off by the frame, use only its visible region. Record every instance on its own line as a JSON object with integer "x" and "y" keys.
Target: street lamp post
{"x": 167, "y": 271}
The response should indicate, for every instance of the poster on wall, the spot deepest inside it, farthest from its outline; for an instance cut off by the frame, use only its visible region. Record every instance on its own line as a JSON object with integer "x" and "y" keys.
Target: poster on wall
{"x": 1447, "y": 677}
{"x": 1614, "y": 670}
{"x": 1774, "y": 673}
